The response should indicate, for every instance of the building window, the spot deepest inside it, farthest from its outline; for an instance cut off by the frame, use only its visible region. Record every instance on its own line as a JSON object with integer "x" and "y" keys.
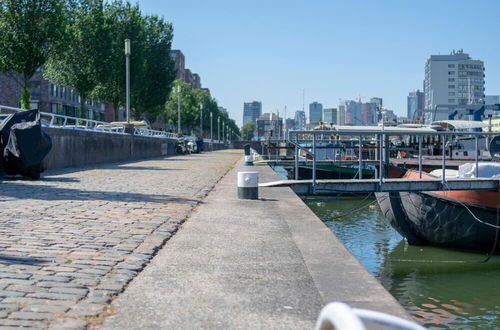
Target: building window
{"x": 451, "y": 100}
{"x": 451, "y": 79}
{"x": 451, "y": 72}
{"x": 451, "y": 93}
{"x": 451, "y": 86}
{"x": 451, "y": 65}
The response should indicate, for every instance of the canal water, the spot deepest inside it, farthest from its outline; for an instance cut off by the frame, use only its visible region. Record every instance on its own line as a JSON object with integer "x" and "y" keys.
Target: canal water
{"x": 440, "y": 288}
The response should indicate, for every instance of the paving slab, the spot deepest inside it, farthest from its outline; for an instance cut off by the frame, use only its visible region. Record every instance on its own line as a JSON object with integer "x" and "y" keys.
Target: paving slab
{"x": 253, "y": 264}
{"x": 73, "y": 240}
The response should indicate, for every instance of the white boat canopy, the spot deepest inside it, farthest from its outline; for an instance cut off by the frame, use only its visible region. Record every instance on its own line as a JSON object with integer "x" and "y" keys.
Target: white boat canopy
{"x": 379, "y": 130}
{"x": 460, "y": 125}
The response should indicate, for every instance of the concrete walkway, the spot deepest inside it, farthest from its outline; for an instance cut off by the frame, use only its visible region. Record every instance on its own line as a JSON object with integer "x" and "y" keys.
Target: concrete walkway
{"x": 264, "y": 264}
{"x": 72, "y": 241}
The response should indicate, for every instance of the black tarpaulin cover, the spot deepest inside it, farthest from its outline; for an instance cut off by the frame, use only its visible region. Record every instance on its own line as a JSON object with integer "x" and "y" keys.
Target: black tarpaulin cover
{"x": 26, "y": 146}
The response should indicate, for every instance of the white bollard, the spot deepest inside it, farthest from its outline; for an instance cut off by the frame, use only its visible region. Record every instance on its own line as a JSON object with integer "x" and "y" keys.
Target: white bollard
{"x": 249, "y": 160}
{"x": 248, "y": 185}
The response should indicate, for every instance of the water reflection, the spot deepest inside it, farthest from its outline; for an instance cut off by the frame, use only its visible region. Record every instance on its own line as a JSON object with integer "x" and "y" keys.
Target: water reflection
{"x": 441, "y": 288}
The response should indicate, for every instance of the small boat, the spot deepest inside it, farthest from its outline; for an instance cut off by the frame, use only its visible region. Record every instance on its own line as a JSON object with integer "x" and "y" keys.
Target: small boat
{"x": 466, "y": 219}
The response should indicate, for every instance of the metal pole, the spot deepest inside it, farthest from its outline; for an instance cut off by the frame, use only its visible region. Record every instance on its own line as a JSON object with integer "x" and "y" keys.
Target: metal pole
{"x": 127, "y": 77}
{"x": 211, "y": 132}
{"x": 381, "y": 152}
{"x": 360, "y": 158}
{"x": 443, "y": 169}
{"x": 477, "y": 156}
{"x": 314, "y": 165}
{"x": 218, "y": 128}
{"x": 296, "y": 158}
{"x": 179, "y": 109}
{"x": 201, "y": 120}
{"x": 420, "y": 156}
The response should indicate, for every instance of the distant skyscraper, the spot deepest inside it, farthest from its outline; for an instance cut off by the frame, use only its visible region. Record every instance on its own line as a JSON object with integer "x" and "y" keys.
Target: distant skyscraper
{"x": 377, "y": 101}
{"x": 415, "y": 104}
{"x": 353, "y": 113}
{"x": 315, "y": 112}
{"x": 341, "y": 115}
{"x": 251, "y": 111}
{"x": 330, "y": 116}
{"x": 452, "y": 81}
{"x": 300, "y": 120}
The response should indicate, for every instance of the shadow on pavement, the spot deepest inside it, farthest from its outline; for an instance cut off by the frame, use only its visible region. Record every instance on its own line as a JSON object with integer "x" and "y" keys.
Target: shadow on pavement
{"x": 51, "y": 193}
{"x": 22, "y": 260}
{"x": 150, "y": 168}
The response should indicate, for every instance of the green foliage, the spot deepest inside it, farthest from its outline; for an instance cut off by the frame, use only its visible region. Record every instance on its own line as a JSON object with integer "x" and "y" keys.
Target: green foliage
{"x": 156, "y": 69}
{"x": 191, "y": 103}
{"x": 247, "y": 130}
{"x": 85, "y": 59}
{"x": 80, "y": 43}
{"x": 30, "y": 30}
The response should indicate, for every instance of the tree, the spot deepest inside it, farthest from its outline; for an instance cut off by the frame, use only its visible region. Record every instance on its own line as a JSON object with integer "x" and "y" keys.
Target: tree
{"x": 247, "y": 130}
{"x": 157, "y": 69}
{"x": 85, "y": 60}
{"x": 126, "y": 22}
{"x": 30, "y": 30}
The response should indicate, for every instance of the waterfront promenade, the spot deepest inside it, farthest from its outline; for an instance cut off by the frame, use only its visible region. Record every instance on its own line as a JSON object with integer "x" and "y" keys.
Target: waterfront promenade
{"x": 77, "y": 251}
{"x": 73, "y": 240}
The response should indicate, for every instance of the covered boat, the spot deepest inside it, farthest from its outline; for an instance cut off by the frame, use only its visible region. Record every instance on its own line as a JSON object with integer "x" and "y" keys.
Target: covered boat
{"x": 467, "y": 219}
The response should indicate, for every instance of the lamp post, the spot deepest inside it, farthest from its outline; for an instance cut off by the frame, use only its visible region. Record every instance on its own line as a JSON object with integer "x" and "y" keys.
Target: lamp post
{"x": 179, "y": 108}
{"x": 218, "y": 128}
{"x": 201, "y": 120}
{"x": 211, "y": 133}
{"x": 127, "y": 77}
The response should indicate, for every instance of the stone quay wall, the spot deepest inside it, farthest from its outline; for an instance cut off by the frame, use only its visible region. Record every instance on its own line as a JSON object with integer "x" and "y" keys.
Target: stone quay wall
{"x": 78, "y": 148}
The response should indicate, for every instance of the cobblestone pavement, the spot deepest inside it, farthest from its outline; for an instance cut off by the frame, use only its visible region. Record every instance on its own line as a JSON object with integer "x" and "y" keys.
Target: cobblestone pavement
{"x": 72, "y": 241}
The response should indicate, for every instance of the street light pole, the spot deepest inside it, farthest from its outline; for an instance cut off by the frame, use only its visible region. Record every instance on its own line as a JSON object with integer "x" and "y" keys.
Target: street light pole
{"x": 218, "y": 128}
{"x": 201, "y": 120}
{"x": 211, "y": 133}
{"x": 179, "y": 108}
{"x": 127, "y": 77}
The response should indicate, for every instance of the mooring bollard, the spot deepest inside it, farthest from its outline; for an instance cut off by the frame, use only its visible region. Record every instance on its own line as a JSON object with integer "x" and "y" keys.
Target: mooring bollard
{"x": 248, "y": 185}
{"x": 249, "y": 160}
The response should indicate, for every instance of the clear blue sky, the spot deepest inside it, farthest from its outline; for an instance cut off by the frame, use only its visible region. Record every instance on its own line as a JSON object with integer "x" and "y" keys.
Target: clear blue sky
{"x": 271, "y": 50}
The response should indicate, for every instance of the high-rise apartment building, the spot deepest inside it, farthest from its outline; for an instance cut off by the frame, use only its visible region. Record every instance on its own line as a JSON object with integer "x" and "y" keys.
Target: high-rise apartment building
{"x": 453, "y": 81}
{"x": 251, "y": 111}
{"x": 300, "y": 119}
{"x": 330, "y": 116}
{"x": 315, "y": 112}
{"x": 341, "y": 115}
{"x": 415, "y": 105}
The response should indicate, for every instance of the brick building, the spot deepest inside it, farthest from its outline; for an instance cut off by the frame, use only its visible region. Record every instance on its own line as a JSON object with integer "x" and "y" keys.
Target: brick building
{"x": 181, "y": 72}
{"x": 48, "y": 97}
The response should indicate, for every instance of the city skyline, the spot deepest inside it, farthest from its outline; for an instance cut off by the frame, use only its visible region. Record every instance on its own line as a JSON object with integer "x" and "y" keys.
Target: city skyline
{"x": 272, "y": 52}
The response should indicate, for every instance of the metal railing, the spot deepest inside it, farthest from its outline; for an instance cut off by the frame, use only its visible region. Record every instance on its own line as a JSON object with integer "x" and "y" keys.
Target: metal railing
{"x": 68, "y": 122}
{"x": 382, "y": 146}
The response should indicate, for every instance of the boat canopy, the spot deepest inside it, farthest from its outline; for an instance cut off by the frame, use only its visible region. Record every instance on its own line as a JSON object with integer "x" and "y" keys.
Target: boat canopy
{"x": 460, "y": 125}
{"x": 378, "y": 130}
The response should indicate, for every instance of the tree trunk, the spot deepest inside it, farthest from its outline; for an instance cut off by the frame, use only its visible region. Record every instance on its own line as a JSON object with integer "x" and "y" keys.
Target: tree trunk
{"x": 83, "y": 113}
{"x": 26, "y": 94}
{"x": 116, "y": 106}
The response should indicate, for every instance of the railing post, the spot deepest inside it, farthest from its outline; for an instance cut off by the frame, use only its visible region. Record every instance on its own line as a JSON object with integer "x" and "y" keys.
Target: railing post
{"x": 314, "y": 165}
{"x": 477, "y": 156}
{"x": 420, "y": 156}
{"x": 381, "y": 152}
{"x": 296, "y": 158}
{"x": 443, "y": 168}
{"x": 360, "y": 158}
